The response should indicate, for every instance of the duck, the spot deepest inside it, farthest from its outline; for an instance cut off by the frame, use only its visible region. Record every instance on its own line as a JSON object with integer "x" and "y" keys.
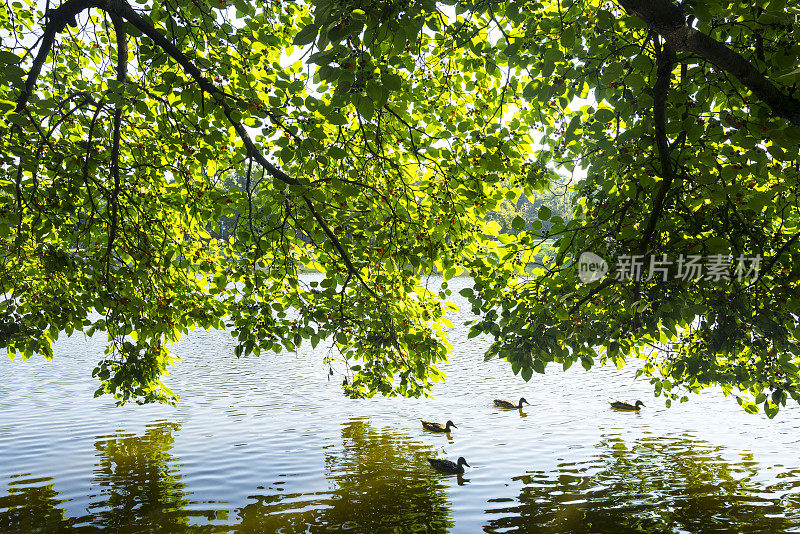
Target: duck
{"x": 500, "y": 403}
{"x": 447, "y": 466}
{"x": 626, "y": 406}
{"x": 437, "y": 427}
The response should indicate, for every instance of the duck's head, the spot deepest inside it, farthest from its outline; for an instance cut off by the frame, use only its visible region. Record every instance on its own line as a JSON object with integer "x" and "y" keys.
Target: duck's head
{"x": 449, "y": 424}
{"x": 521, "y": 400}
{"x": 639, "y": 403}
{"x": 462, "y": 461}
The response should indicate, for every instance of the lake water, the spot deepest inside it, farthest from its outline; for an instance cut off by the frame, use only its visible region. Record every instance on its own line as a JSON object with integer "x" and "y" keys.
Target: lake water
{"x": 269, "y": 444}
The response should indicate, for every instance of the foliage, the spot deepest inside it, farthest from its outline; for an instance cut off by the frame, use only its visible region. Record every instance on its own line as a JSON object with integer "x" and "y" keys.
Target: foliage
{"x": 515, "y": 216}
{"x": 689, "y": 151}
{"x": 373, "y": 138}
{"x": 122, "y": 125}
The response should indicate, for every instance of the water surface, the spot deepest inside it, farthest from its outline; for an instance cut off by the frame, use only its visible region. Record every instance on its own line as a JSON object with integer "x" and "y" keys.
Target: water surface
{"x": 270, "y": 444}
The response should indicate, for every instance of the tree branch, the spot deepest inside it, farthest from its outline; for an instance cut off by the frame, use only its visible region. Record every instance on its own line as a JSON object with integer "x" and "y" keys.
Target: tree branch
{"x": 594, "y": 291}
{"x": 337, "y": 245}
{"x": 58, "y": 19}
{"x": 670, "y": 21}
{"x": 665, "y": 61}
{"x": 206, "y": 85}
{"x": 126, "y": 11}
{"x": 122, "y": 67}
{"x": 778, "y": 253}
{"x": 118, "y": 10}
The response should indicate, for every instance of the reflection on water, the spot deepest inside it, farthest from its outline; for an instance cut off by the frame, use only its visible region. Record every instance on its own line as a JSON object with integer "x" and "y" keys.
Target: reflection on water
{"x": 139, "y": 482}
{"x": 32, "y": 505}
{"x": 138, "y": 485}
{"x": 270, "y": 445}
{"x": 664, "y": 484}
{"x": 378, "y": 481}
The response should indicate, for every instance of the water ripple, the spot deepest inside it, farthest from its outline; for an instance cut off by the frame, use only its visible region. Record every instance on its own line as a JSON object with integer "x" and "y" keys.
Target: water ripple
{"x": 268, "y": 444}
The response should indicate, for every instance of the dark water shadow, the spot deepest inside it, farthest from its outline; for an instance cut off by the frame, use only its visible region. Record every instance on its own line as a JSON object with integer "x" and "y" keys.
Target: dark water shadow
{"x": 378, "y": 481}
{"x": 136, "y": 488}
{"x": 660, "y": 485}
{"x": 139, "y": 485}
{"x": 33, "y": 505}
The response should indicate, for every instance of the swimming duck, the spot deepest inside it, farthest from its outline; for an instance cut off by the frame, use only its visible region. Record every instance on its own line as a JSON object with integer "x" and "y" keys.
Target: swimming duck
{"x": 625, "y": 406}
{"x": 438, "y": 427}
{"x": 449, "y": 467}
{"x": 500, "y": 403}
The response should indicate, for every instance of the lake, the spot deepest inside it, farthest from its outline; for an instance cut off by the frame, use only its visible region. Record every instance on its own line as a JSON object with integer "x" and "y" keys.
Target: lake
{"x": 269, "y": 444}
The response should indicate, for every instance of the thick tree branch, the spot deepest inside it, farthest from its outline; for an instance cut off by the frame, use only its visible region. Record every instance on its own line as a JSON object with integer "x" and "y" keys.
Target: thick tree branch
{"x": 126, "y": 11}
{"x": 670, "y": 21}
{"x": 122, "y": 68}
{"x": 57, "y": 20}
{"x": 665, "y": 61}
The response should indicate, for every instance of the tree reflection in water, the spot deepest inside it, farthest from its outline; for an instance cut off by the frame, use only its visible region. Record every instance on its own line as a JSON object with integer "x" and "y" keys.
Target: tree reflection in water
{"x": 659, "y": 484}
{"x": 139, "y": 491}
{"x": 32, "y": 506}
{"x": 379, "y": 482}
{"x": 140, "y": 488}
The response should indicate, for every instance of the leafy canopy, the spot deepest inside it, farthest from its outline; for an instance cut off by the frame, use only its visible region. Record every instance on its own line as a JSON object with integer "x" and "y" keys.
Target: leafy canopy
{"x": 173, "y": 164}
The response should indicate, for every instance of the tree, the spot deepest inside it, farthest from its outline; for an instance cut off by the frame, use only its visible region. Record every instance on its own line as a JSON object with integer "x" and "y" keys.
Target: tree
{"x": 691, "y": 154}
{"x": 373, "y": 138}
{"x": 121, "y": 126}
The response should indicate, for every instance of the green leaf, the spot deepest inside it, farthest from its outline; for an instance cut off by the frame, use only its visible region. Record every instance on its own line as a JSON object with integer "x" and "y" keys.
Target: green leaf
{"x": 567, "y": 37}
{"x": 770, "y": 409}
{"x": 545, "y": 213}
{"x": 337, "y": 153}
{"x": 569, "y": 134}
{"x": 9, "y": 58}
{"x": 529, "y": 91}
{"x": 604, "y": 115}
{"x": 392, "y": 81}
{"x": 366, "y": 108}
{"x": 526, "y": 373}
{"x": 337, "y": 118}
{"x": 286, "y": 155}
{"x": 306, "y": 35}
